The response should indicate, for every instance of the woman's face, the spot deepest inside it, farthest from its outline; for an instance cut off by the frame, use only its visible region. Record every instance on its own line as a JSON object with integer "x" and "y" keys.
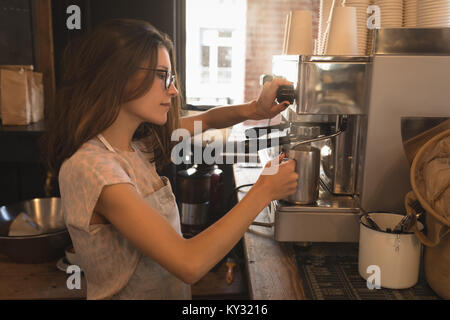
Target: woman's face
{"x": 153, "y": 106}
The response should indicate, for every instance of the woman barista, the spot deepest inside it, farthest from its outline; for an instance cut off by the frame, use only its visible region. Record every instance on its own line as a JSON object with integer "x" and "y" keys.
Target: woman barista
{"x": 115, "y": 112}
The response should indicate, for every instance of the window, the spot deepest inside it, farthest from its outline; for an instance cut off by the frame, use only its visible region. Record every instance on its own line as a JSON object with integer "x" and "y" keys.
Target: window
{"x": 215, "y": 51}
{"x": 224, "y": 57}
{"x": 231, "y": 43}
{"x": 225, "y": 34}
{"x": 205, "y": 56}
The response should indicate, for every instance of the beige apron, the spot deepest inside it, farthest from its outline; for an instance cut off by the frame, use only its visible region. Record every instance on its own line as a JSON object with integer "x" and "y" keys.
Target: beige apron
{"x": 150, "y": 280}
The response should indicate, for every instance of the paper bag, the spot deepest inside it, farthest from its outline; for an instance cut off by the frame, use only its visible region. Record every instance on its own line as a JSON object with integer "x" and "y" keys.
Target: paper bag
{"x": 14, "y": 98}
{"x": 34, "y": 99}
{"x": 36, "y": 95}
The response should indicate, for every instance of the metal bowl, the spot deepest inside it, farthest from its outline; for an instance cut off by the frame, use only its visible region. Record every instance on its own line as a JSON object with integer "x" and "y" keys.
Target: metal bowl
{"x": 50, "y": 240}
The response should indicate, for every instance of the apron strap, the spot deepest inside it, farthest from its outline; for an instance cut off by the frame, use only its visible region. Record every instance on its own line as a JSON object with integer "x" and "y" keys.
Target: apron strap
{"x": 105, "y": 142}
{"x": 110, "y": 148}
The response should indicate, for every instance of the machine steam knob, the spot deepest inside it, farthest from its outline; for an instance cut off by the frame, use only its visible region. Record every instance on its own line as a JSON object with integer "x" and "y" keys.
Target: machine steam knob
{"x": 286, "y": 93}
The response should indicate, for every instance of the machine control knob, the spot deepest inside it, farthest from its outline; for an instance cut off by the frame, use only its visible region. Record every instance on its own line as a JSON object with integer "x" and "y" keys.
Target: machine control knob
{"x": 286, "y": 93}
{"x": 265, "y": 78}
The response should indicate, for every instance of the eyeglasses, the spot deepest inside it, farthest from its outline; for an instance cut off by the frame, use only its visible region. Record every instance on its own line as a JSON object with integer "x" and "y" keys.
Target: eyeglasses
{"x": 169, "y": 77}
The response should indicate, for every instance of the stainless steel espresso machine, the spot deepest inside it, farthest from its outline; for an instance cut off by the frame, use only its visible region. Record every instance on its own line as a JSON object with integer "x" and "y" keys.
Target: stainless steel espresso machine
{"x": 364, "y": 166}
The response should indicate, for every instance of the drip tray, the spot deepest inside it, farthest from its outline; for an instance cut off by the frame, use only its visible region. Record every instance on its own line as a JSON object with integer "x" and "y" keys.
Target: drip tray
{"x": 327, "y": 202}
{"x": 331, "y": 219}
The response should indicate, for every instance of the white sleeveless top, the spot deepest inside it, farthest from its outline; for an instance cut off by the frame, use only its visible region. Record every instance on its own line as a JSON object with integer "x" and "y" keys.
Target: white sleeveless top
{"x": 113, "y": 267}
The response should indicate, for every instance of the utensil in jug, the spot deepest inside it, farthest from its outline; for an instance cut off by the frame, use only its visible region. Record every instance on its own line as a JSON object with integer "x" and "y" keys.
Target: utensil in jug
{"x": 410, "y": 219}
{"x": 400, "y": 225}
{"x": 370, "y": 221}
{"x": 397, "y": 255}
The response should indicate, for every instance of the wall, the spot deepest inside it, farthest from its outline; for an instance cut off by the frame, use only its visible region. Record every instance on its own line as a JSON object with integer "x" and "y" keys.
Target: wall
{"x": 16, "y": 39}
{"x": 162, "y": 14}
{"x": 265, "y": 32}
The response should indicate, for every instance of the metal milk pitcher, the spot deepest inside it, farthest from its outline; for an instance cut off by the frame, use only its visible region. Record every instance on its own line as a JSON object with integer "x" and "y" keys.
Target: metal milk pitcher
{"x": 307, "y": 165}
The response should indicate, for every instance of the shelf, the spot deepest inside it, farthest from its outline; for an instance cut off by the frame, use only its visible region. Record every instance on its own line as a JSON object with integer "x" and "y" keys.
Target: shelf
{"x": 36, "y": 128}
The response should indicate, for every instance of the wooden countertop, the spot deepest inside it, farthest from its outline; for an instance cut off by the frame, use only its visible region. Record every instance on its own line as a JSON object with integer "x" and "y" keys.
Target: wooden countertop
{"x": 44, "y": 281}
{"x": 271, "y": 269}
{"x": 35, "y": 281}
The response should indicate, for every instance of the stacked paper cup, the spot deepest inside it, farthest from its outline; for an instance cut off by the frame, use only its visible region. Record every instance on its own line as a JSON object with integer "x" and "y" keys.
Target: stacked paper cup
{"x": 391, "y": 13}
{"x": 298, "y": 37}
{"x": 361, "y": 19}
{"x": 434, "y": 14}
{"x": 410, "y": 13}
{"x": 343, "y": 33}
{"x": 324, "y": 14}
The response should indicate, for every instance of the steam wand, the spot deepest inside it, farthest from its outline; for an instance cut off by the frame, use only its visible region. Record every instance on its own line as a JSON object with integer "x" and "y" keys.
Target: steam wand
{"x": 342, "y": 128}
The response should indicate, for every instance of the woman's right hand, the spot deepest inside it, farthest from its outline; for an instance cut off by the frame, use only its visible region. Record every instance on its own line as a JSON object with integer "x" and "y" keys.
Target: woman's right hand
{"x": 278, "y": 179}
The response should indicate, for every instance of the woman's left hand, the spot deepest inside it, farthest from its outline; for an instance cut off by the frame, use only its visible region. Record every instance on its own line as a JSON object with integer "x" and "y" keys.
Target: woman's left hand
{"x": 265, "y": 106}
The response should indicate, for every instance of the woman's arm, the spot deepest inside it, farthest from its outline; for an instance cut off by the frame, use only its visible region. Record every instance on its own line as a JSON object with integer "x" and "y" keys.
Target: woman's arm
{"x": 222, "y": 117}
{"x": 190, "y": 259}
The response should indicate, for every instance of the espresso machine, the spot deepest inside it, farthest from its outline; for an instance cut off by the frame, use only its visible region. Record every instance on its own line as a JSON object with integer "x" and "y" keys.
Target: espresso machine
{"x": 359, "y": 102}
{"x": 327, "y": 92}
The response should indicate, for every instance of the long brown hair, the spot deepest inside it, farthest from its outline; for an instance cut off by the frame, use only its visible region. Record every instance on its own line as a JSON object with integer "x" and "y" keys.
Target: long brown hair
{"x": 97, "y": 68}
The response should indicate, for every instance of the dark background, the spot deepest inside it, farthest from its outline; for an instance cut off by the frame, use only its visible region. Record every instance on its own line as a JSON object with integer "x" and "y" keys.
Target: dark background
{"x": 167, "y": 16}
{"x": 22, "y": 174}
{"x": 16, "y": 41}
